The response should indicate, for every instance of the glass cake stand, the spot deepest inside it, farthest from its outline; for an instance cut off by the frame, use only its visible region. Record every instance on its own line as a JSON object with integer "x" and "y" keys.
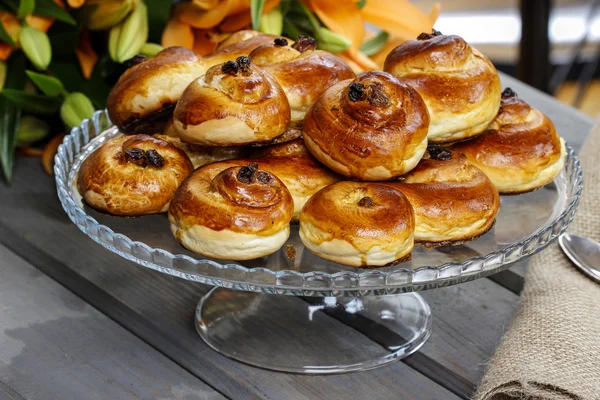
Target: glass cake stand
{"x": 335, "y": 318}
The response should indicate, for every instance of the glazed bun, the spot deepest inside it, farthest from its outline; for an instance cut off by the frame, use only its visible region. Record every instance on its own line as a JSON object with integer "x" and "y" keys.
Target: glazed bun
{"x": 358, "y": 224}
{"x": 298, "y": 170}
{"x": 371, "y": 128}
{"x": 238, "y": 44}
{"x": 520, "y": 150}
{"x": 235, "y": 103}
{"x": 303, "y": 72}
{"x": 145, "y": 95}
{"x": 460, "y": 85}
{"x": 133, "y": 175}
{"x": 238, "y": 213}
{"x": 453, "y": 200}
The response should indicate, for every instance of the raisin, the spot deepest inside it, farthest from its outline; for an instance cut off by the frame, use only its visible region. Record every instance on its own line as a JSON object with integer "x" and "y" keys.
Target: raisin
{"x": 304, "y": 43}
{"x": 438, "y": 153}
{"x": 356, "y": 92}
{"x": 281, "y": 42}
{"x": 246, "y": 174}
{"x": 230, "y": 68}
{"x": 376, "y": 97}
{"x": 427, "y": 36}
{"x": 244, "y": 64}
{"x": 508, "y": 92}
{"x": 136, "y": 156}
{"x": 366, "y": 202}
{"x": 155, "y": 159}
{"x": 263, "y": 177}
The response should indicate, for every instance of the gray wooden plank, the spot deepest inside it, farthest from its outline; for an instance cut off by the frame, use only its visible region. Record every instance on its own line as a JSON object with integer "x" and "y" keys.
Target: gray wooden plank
{"x": 53, "y": 345}
{"x": 571, "y": 124}
{"x": 149, "y": 302}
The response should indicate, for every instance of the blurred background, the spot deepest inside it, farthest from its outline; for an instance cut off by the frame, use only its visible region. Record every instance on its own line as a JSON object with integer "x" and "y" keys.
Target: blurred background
{"x": 552, "y": 45}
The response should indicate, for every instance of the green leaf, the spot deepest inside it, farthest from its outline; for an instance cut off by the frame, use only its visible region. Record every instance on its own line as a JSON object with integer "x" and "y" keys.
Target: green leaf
{"x": 47, "y": 84}
{"x": 5, "y": 37}
{"x": 31, "y": 102}
{"x": 256, "y": 9}
{"x": 26, "y": 7}
{"x": 375, "y": 44}
{"x": 31, "y": 129}
{"x": 10, "y": 114}
{"x": 316, "y": 25}
{"x": 158, "y": 15}
{"x": 361, "y": 3}
{"x": 49, "y": 8}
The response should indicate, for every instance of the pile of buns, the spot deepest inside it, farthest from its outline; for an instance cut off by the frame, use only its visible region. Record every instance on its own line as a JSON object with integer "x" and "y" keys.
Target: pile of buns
{"x": 267, "y": 131}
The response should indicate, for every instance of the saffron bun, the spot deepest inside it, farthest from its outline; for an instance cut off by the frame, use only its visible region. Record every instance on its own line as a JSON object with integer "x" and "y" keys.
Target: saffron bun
{"x": 144, "y": 97}
{"x": 373, "y": 127}
{"x": 300, "y": 172}
{"x": 460, "y": 86}
{"x": 520, "y": 150}
{"x": 358, "y": 224}
{"x": 237, "y": 213}
{"x": 235, "y": 103}
{"x": 453, "y": 200}
{"x": 303, "y": 72}
{"x": 133, "y": 175}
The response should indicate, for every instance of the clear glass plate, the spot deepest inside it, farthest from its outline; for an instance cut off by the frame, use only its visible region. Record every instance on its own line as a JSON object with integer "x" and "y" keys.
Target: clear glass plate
{"x": 526, "y": 224}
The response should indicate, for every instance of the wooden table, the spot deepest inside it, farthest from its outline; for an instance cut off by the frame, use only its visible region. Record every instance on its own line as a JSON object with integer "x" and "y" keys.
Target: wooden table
{"x": 78, "y": 322}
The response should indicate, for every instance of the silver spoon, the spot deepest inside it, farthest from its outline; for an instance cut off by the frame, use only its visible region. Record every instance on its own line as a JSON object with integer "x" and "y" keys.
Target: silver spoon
{"x": 584, "y": 252}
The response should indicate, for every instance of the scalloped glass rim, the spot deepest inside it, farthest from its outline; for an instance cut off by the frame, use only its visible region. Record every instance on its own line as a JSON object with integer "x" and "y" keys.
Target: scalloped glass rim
{"x": 317, "y": 283}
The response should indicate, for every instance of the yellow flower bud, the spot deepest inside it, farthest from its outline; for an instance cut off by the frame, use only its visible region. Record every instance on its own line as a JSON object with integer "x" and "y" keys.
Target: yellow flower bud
{"x": 104, "y": 15}
{"x": 36, "y": 46}
{"x": 272, "y": 22}
{"x": 75, "y": 109}
{"x": 127, "y": 38}
{"x": 331, "y": 41}
{"x": 150, "y": 49}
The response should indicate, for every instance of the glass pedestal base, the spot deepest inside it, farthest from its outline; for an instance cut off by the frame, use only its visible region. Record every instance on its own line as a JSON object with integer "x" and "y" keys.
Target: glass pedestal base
{"x": 313, "y": 335}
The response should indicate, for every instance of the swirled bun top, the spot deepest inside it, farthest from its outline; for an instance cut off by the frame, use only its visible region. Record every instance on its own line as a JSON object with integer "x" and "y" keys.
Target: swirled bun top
{"x": 235, "y": 103}
{"x": 299, "y": 171}
{"x": 303, "y": 72}
{"x": 238, "y": 44}
{"x": 453, "y": 200}
{"x": 145, "y": 95}
{"x": 460, "y": 85}
{"x": 373, "y": 127}
{"x": 133, "y": 175}
{"x": 240, "y": 212}
{"x": 358, "y": 224}
{"x": 520, "y": 150}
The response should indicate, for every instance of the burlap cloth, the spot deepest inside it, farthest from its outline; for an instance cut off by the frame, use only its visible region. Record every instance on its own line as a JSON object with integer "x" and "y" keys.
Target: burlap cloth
{"x": 552, "y": 349}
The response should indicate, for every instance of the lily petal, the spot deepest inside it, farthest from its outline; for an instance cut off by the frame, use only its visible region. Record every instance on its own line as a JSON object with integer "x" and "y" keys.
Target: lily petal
{"x": 177, "y": 33}
{"x": 236, "y": 22}
{"x": 342, "y": 17}
{"x": 399, "y": 17}
{"x": 85, "y": 54}
{"x": 205, "y": 41}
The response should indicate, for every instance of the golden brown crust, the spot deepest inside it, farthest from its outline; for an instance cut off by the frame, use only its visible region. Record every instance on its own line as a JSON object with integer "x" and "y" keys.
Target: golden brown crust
{"x": 459, "y": 85}
{"x": 371, "y": 128}
{"x": 237, "y": 45}
{"x": 221, "y": 199}
{"x": 152, "y": 85}
{"x": 109, "y": 181}
{"x": 232, "y": 105}
{"x": 452, "y": 199}
{"x": 517, "y": 149}
{"x": 293, "y": 147}
{"x": 304, "y": 76}
{"x": 300, "y": 172}
{"x": 372, "y": 218}
{"x": 202, "y": 155}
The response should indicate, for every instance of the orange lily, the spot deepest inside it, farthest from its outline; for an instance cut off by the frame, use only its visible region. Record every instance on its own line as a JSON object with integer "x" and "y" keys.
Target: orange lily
{"x": 205, "y": 41}
{"x": 75, "y": 3}
{"x": 177, "y": 33}
{"x": 236, "y": 22}
{"x": 342, "y": 17}
{"x": 12, "y": 26}
{"x": 86, "y": 55}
